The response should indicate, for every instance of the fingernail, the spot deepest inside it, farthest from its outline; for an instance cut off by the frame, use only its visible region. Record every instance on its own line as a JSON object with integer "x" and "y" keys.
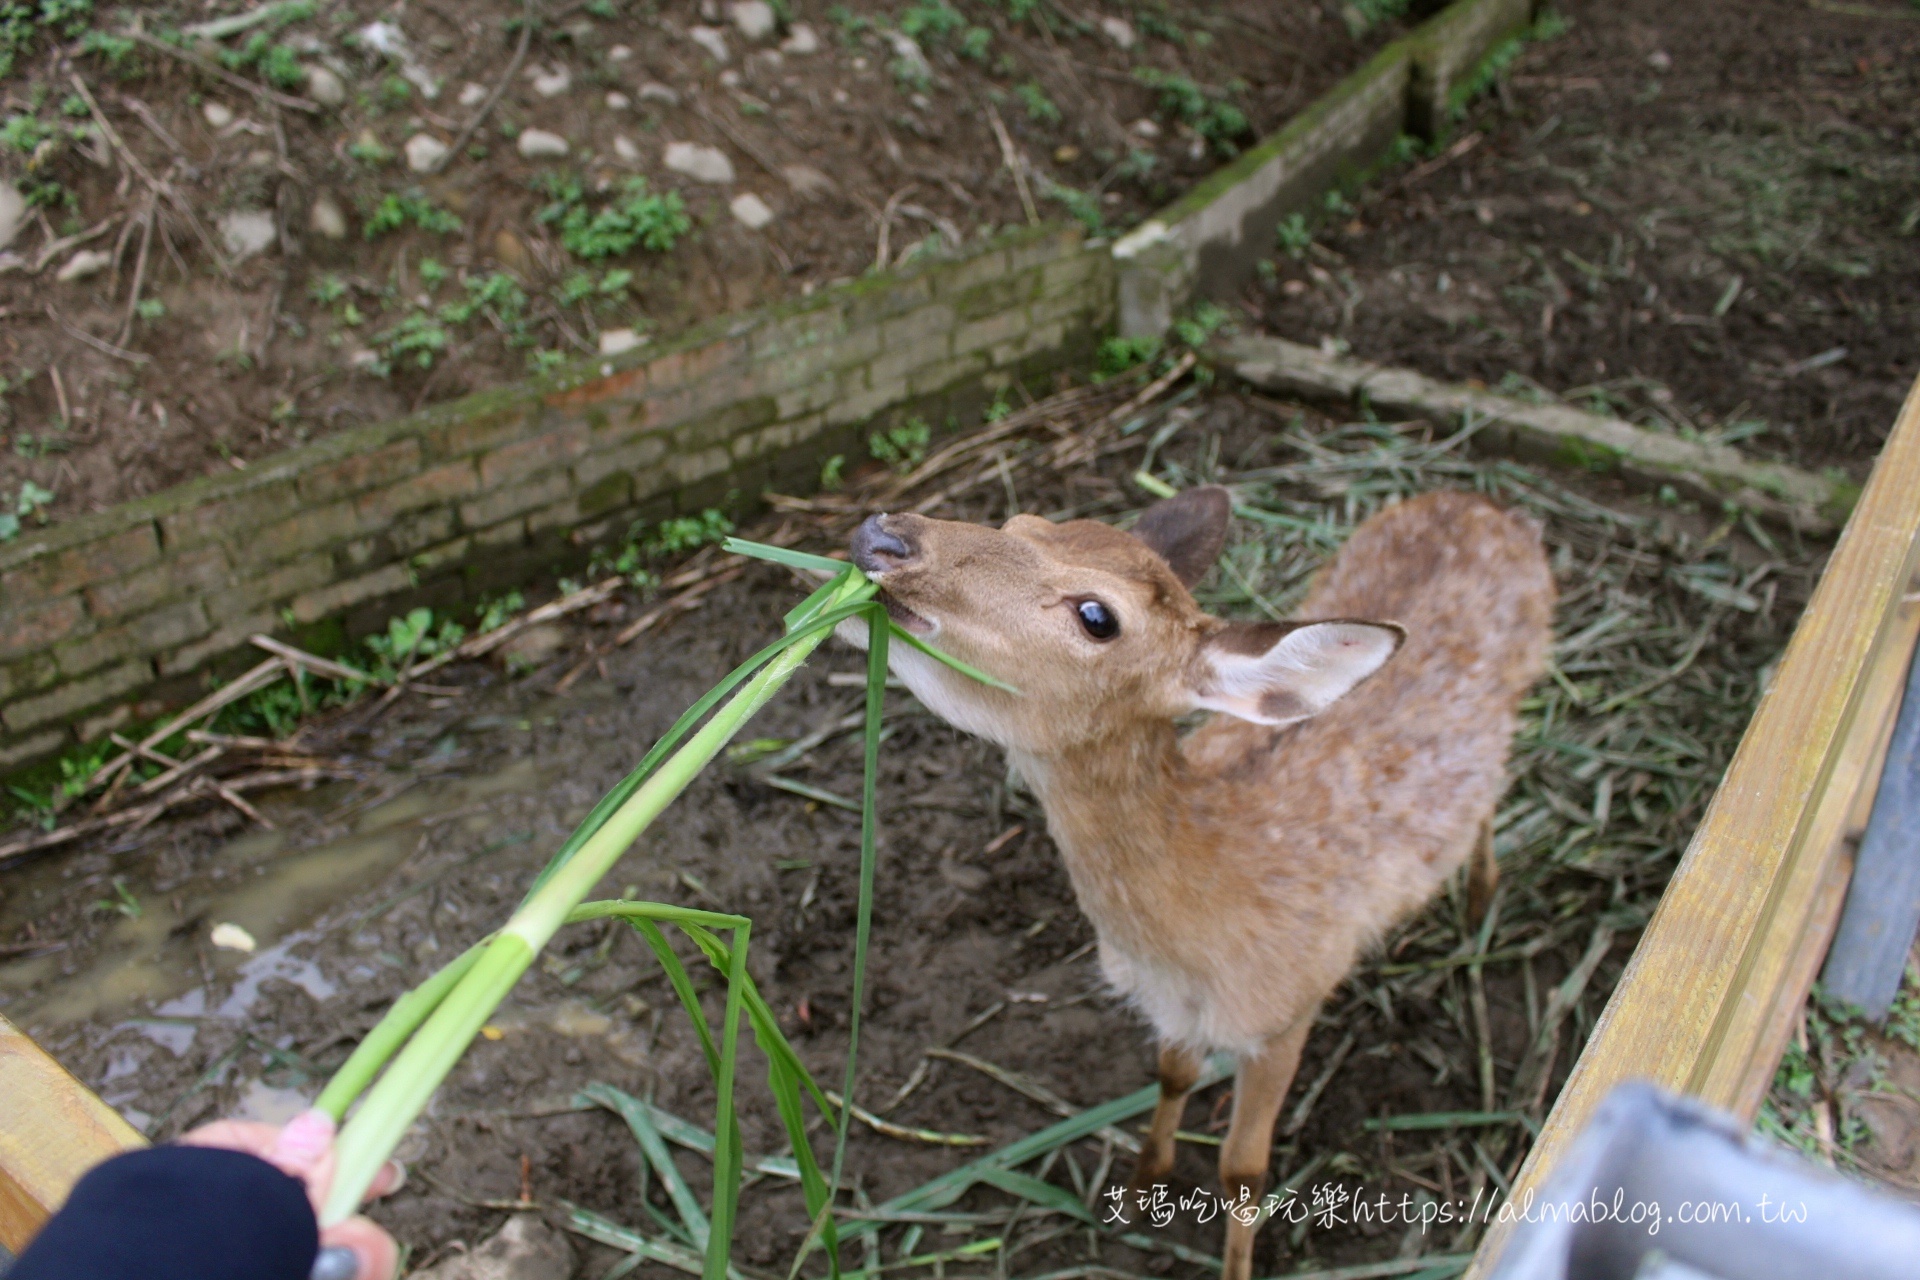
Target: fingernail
{"x": 399, "y": 1176}
{"x": 335, "y": 1262}
{"x": 305, "y": 1139}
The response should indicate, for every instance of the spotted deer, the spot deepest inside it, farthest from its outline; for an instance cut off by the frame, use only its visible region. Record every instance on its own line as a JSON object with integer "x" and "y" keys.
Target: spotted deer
{"x": 1235, "y": 873}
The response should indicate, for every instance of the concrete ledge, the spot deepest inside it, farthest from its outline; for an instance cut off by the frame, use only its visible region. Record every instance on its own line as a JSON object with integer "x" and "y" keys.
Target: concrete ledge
{"x": 1552, "y": 433}
{"x": 1205, "y": 244}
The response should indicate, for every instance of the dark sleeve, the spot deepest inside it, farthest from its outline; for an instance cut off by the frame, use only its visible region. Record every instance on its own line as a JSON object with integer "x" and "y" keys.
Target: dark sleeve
{"x": 177, "y": 1213}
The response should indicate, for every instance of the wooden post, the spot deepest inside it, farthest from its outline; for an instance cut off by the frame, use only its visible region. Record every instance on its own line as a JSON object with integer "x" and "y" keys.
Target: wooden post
{"x": 1713, "y": 990}
{"x": 52, "y": 1130}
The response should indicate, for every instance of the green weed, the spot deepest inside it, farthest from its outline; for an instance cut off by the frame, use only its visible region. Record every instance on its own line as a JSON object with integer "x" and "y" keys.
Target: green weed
{"x": 29, "y": 503}
{"x": 931, "y": 20}
{"x": 1293, "y": 236}
{"x": 635, "y": 217}
{"x": 398, "y": 211}
{"x": 1040, "y": 108}
{"x": 902, "y": 447}
{"x": 1208, "y": 112}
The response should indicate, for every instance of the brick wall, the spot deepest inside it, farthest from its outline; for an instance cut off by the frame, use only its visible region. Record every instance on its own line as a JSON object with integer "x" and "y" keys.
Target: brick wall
{"x": 117, "y": 615}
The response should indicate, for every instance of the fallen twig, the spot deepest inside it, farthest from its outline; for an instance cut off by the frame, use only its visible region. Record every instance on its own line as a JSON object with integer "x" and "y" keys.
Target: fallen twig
{"x": 479, "y": 116}
{"x": 1013, "y": 162}
{"x": 219, "y": 72}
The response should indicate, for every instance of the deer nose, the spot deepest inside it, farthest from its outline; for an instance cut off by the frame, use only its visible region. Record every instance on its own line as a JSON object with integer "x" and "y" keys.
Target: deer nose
{"x": 877, "y": 549}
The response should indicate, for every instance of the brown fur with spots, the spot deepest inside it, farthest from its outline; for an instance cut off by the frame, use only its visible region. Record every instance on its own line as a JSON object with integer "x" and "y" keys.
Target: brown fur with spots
{"x": 1235, "y": 875}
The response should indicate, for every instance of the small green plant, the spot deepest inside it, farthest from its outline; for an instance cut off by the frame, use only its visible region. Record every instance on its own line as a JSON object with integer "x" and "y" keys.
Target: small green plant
{"x": 400, "y": 210}
{"x": 832, "y": 472}
{"x": 1158, "y": 26}
{"x": 112, "y": 49}
{"x": 931, "y": 20}
{"x": 416, "y": 339}
{"x": 976, "y": 44}
{"x": 1117, "y": 355}
{"x": 1208, "y": 112}
{"x": 411, "y": 638}
{"x": 685, "y": 533}
{"x": 30, "y": 503}
{"x": 1083, "y": 206}
{"x": 635, "y": 217}
{"x": 432, "y": 272}
{"x": 393, "y": 93}
{"x": 500, "y": 298}
{"x": 1040, "y": 108}
{"x": 122, "y": 903}
{"x": 277, "y": 64}
{"x": 1201, "y": 323}
{"x": 1293, "y": 236}
{"x": 24, "y": 133}
{"x": 850, "y": 25}
{"x": 368, "y": 149}
{"x": 999, "y": 409}
{"x": 150, "y": 309}
{"x": 902, "y": 447}
{"x": 494, "y": 613}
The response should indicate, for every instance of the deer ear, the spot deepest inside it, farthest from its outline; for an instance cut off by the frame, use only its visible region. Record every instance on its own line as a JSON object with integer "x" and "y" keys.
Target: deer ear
{"x": 1282, "y": 672}
{"x": 1188, "y": 530}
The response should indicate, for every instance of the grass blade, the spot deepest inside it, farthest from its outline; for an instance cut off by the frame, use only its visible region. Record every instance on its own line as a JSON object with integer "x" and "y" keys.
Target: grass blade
{"x": 784, "y": 555}
{"x": 971, "y": 672}
{"x": 654, "y": 1148}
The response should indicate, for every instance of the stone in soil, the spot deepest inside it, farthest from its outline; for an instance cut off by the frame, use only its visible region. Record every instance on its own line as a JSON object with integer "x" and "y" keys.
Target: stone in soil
{"x": 619, "y": 53}
{"x": 525, "y": 1249}
{"x": 472, "y": 95}
{"x": 754, "y": 18}
{"x": 800, "y": 40}
{"x": 750, "y": 210}
{"x": 701, "y": 163}
{"x": 1120, "y": 31}
{"x": 654, "y": 91}
{"x": 85, "y": 263}
{"x": 551, "y": 84}
{"x": 247, "y": 232}
{"x": 218, "y": 114}
{"x": 424, "y": 152}
{"x": 536, "y": 144}
{"x": 325, "y": 88}
{"x": 533, "y": 646}
{"x": 13, "y": 212}
{"x": 712, "y": 39}
{"x": 614, "y": 341}
{"x": 327, "y": 219}
{"x": 807, "y": 182}
{"x": 624, "y": 148}
{"x": 617, "y": 101}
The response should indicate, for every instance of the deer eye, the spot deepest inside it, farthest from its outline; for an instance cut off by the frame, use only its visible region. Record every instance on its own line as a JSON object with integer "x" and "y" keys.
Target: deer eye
{"x": 1097, "y": 620}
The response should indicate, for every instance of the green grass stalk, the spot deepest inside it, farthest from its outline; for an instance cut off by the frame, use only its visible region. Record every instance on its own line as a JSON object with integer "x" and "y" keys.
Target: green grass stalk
{"x": 402, "y": 1093}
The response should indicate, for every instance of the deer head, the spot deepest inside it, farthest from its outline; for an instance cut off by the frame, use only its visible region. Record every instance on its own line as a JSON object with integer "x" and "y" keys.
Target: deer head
{"x": 1097, "y": 627}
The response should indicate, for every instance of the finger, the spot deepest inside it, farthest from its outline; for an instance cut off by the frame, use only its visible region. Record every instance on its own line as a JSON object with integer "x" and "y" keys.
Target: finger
{"x": 378, "y": 1255}
{"x": 303, "y": 1144}
{"x": 392, "y": 1177}
{"x": 234, "y": 1135}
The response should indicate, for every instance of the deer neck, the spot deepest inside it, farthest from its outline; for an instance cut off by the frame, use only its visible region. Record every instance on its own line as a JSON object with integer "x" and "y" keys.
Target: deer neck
{"x": 1114, "y": 804}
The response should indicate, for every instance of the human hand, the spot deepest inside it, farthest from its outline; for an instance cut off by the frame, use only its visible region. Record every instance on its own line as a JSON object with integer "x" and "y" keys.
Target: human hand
{"x": 303, "y": 1148}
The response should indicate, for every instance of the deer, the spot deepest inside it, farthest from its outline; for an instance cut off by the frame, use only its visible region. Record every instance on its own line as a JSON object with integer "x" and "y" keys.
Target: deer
{"x": 1234, "y": 873}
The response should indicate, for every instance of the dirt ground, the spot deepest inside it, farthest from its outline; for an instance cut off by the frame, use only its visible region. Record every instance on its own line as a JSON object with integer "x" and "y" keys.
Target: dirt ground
{"x": 860, "y": 132}
{"x": 977, "y": 941}
{"x": 1702, "y": 217}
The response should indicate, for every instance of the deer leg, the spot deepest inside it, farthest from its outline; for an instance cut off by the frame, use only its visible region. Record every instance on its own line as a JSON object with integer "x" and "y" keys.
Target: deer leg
{"x": 1258, "y": 1090}
{"x": 1179, "y": 1068}
{"x": 1483, "y": 876}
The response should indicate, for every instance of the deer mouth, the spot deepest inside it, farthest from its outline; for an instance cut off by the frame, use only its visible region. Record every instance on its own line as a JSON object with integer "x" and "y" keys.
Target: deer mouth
{"x": 905, "y": 618}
